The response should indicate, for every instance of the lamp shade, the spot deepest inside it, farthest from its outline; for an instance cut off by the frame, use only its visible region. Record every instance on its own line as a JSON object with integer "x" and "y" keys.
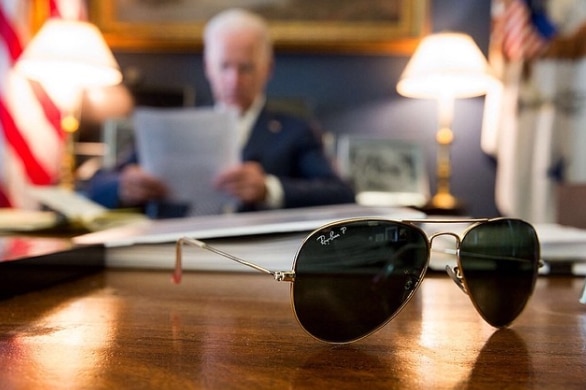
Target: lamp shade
{"x": 446, "y": 64}
{"x": 69, "y": 52}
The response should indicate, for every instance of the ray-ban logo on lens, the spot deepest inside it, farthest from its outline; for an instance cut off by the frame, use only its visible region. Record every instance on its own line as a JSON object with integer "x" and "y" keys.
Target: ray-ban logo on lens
{"x": 326, "y": 239}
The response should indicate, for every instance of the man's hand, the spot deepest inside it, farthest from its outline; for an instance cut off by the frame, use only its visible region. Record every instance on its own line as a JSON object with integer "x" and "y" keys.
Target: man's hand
{"x": 246, "y": 182}
{"x": 138, "y": 186}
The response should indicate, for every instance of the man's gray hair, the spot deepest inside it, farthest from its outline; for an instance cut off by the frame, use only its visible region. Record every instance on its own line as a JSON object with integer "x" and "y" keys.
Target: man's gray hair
{"x": 238, "y": 19}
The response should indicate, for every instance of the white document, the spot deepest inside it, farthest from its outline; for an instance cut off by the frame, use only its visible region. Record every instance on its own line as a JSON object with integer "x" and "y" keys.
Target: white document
{"x": 69, "y": 203}
{"x": 76, "y": 208}
{"x": 272, "y": 251}
{"x": 187, "y": 148}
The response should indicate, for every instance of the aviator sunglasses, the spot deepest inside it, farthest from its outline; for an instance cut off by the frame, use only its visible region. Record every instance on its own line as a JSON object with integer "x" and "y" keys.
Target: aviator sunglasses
{"x": 351, "y": 277}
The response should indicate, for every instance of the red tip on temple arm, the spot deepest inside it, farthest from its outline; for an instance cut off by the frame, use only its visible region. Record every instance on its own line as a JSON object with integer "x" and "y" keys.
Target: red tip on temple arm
{"x": 176, "y": 277}
{"x": 177, "y": 273}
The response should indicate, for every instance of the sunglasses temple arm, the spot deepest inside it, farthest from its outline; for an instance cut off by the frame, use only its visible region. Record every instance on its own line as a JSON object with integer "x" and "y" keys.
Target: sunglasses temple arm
{"x": 177, "y": 273}
{"x": 454, "y": 274}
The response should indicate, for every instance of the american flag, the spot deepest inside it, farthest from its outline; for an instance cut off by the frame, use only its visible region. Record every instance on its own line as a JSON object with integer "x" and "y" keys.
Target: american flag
{"x": 31, "y": 139}
{"x": 521, "y": 28}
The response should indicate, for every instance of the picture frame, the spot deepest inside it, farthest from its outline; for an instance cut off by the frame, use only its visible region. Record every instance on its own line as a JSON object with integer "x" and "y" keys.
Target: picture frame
{"x": 321, "y": 26}
{"x": 384, "y": 171}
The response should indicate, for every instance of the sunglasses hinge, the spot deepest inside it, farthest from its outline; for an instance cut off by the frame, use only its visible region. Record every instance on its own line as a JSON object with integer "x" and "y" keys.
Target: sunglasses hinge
{"x": 284, "y": 276}
{"x": 456, "y": 275}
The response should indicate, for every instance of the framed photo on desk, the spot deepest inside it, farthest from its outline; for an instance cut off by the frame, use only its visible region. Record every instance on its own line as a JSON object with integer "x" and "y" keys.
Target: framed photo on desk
{"x": 383, "y": 171}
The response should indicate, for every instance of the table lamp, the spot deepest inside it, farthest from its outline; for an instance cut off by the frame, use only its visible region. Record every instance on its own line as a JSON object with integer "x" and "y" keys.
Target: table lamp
{"x": 66, "y": 57}
{"x": 445, "y": 66}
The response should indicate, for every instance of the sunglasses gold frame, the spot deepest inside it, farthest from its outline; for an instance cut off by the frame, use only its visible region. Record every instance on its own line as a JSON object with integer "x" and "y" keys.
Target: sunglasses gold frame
{"x": 289, "y": 275}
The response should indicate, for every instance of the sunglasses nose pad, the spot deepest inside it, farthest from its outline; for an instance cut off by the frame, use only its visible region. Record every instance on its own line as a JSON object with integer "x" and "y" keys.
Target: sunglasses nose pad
{"x": 456, "y": 276}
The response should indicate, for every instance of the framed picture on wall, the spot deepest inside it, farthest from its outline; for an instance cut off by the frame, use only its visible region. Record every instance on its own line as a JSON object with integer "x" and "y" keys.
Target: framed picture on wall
{"x": 296, "y": 25}
{"x": 383, "y": 171}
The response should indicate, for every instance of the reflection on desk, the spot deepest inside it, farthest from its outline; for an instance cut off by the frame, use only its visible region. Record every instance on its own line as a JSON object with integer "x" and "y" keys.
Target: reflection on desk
{"x": 134, "y": 329}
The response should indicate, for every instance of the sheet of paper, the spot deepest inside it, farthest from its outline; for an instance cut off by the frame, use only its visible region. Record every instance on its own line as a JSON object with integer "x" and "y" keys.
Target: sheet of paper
{"x": 17, "y": 220}
{"x": 187, "y": 148}
{"x": 76, "y": 208}
{"x": 69, "y": 203}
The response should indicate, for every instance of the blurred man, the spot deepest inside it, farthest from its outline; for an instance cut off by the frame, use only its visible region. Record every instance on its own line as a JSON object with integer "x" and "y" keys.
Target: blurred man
{"x": 283, "y": 161}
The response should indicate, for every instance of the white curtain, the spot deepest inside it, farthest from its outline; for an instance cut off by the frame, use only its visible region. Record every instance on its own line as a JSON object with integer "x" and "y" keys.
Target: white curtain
{"x": 535, "y": 126}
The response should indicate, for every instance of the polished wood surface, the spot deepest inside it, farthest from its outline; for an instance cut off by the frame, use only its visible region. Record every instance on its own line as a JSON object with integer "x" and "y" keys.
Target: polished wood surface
{"x": 136, "y": 330}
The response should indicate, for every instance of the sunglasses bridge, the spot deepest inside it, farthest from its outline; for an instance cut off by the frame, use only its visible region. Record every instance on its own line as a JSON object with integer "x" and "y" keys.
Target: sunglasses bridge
{"x": 454, "y": 273}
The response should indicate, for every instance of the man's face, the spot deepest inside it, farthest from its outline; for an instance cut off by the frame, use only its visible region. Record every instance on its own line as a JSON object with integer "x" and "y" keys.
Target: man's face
{"x": 237, "y": 68}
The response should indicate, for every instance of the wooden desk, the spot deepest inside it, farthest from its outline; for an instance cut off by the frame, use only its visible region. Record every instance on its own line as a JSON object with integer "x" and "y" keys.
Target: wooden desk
{"x": 134, "y": 329}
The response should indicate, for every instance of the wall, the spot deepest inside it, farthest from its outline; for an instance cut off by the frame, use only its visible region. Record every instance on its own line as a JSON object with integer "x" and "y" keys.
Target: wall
{"x": 356, "y": 94}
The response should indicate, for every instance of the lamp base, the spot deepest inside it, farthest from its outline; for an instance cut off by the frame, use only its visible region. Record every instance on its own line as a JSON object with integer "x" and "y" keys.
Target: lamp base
{"x": 444, "y": 204}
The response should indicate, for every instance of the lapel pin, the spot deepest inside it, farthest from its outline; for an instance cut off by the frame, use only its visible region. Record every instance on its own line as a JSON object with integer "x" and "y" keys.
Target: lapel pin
{"x": 275, "y": 126}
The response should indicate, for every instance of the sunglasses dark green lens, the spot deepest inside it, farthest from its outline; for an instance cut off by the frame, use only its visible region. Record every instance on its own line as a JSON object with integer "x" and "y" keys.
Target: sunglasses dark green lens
{"x": 353, "y": 276}
{"x": 499, "y": 261}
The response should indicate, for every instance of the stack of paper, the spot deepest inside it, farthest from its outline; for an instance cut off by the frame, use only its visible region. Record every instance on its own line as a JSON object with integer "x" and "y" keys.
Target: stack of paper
{"x": 272, "y": 251}
{"x": 268, "y": 237}
{"x": 563, "y": 248}
{"x": 561, "y": 243}
{"x": 272, "y": 238}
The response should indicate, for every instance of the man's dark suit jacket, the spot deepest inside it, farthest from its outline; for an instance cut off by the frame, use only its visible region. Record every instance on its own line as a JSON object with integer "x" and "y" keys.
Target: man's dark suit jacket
{"x": 285, "y": 146}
